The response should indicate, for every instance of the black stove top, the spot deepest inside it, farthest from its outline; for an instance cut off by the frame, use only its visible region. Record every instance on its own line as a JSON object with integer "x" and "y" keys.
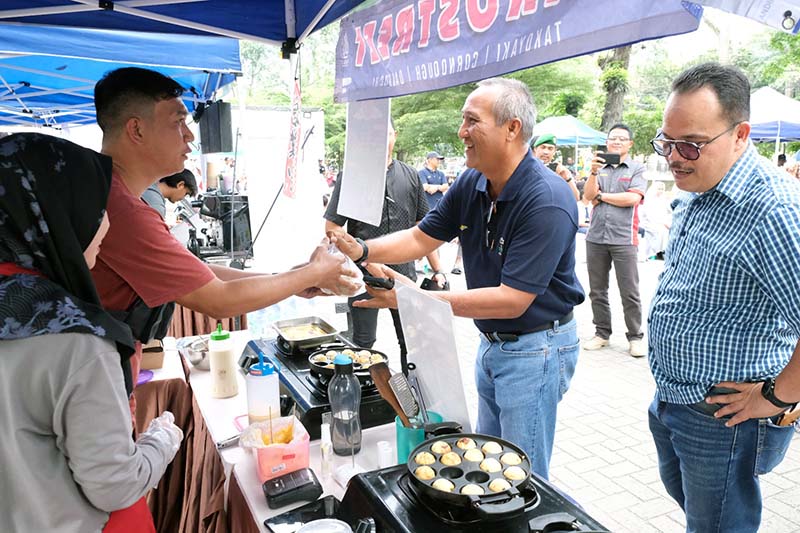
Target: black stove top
{"x": 388, "y": 498}
{"x": 309, "y": 391}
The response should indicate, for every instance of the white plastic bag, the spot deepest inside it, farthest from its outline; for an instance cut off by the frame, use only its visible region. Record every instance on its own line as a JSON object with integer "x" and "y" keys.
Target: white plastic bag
{"x": 351, "y": 266}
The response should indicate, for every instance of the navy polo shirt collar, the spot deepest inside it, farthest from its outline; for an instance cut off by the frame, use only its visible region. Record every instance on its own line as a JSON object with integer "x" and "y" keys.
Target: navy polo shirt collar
{"x": 515, "y": 182}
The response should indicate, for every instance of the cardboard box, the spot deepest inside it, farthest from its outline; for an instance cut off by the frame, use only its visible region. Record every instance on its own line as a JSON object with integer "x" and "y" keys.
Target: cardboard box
{"x": 152, "y": 355}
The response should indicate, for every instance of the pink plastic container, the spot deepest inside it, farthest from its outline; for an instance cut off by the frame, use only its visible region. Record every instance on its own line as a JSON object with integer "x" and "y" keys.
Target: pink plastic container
{"x": 279, "y": 459}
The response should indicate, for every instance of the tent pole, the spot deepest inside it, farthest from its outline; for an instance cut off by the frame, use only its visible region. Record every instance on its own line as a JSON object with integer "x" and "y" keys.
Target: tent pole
{"x": 777, "y": 143}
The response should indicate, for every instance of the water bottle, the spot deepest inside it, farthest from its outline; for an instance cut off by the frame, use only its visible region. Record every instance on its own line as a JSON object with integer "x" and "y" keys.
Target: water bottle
{"x": 222, "y": 362}
{"x": 263, "y": 394}
{"x": 344, "y": 393}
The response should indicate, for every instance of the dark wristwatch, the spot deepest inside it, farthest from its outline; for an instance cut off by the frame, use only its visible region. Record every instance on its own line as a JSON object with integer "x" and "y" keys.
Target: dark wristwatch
{"x": 768, "y": 392}
{"x": 364, "y": 251}
{"x": 599, "y": 197}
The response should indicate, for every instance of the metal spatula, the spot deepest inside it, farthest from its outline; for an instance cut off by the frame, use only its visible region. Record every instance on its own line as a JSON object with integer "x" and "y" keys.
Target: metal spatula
{"x": 399, "y": 384}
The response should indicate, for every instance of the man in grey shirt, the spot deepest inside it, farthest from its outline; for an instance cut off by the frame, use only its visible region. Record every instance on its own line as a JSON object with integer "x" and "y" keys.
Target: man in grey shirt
{"x": 173, "y": 188}
{"x": 616, "y": 191}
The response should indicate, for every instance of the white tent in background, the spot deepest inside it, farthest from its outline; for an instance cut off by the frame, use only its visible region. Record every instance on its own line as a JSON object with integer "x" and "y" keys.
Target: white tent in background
{"x": 774, "y": 117}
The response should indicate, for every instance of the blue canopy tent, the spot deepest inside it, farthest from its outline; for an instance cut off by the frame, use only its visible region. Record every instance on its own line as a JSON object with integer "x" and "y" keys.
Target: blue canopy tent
{"x": 47, "y": 74}
{"x": 570, "y": 131}
{"x": 269, "y": 21}
{"x": 774, "y": 116}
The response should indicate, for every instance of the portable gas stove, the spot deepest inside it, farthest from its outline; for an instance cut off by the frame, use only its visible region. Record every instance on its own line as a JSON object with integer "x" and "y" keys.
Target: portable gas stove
{"x": 310, "y": 392}
{"x": 388, "y": 498}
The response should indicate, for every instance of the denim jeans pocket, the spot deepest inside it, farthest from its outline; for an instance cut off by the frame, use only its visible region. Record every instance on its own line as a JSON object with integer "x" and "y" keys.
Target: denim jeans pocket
{"x": 773, "y": 442}
{"x": 567, "y": 360}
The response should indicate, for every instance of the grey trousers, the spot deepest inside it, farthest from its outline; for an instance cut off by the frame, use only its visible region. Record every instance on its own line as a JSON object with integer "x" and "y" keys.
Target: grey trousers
{"x": 599, "y": 258}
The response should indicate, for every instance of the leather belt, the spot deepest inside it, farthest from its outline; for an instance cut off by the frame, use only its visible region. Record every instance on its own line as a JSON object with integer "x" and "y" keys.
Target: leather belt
{"x": 496, "y": 336}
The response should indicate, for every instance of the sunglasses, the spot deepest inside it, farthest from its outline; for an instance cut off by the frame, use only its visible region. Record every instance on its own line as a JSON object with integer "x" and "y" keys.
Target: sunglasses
{"x": 686, "y": 149}
{"x": 491, "y": 225}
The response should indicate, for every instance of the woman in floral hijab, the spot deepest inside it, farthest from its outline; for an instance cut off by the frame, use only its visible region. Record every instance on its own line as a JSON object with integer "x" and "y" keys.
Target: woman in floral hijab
{"x": 67, "y": 454}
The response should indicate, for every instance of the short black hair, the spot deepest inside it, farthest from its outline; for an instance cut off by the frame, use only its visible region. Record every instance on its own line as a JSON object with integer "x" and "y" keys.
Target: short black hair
{"x": 186, "y": 176}
{"x": 728, "y": 82}
{"x": 621, "y": 126}
{"x": 121, "y": 89}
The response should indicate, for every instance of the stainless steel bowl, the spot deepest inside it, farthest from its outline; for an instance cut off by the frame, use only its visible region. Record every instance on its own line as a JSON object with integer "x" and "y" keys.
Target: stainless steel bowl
{"x": 195, "y": 349}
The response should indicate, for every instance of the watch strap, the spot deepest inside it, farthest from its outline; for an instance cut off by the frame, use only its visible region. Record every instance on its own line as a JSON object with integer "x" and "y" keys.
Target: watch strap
{"x": 768, "y": 392}
{"x": 364, "y": 251}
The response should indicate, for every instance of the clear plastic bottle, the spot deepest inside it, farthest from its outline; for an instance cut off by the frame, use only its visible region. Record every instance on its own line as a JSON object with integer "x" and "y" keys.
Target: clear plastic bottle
{"x": 223, "y": 364}
{"x": 263, "y": 393}
{"x": 326, "y": 451}
{"x": 344, "y": 393}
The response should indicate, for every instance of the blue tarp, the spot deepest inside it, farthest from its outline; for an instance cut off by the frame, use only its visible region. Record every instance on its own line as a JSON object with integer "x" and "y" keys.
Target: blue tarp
{"x": 570, "y": 131}
{"x": 258, "y": 20}
{"x": 47, "y": 74}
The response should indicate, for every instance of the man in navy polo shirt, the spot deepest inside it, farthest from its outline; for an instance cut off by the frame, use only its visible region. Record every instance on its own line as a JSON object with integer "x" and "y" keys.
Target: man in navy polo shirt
{"x": 433, "y": 180}
{"x": 517, "y": 223}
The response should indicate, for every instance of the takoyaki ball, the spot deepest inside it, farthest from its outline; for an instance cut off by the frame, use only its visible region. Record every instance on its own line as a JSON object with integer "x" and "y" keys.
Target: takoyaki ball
{"x": 425, "y": 473}
{"x": 466, "y": 443}
{"x": 510, "y": 459}
{"x": 364, "y": 353}
{"x": 471, "y": 488}
{"x": 499, "y": 485}
{"x": 349, "y": 353}
{"x": 474, "y": 455}
{"x": 492, "y": 447}
{"x": 440, "y": 447}
{"x": 451, "y": 459}
{"x": 330, "y": 365}
{"x": 330, "y": 354}
{"x": 514, "y": 473}
{"x": 320, "y": 358}
{"x": 375, "y": 358}
{"x": 491, "y": 465}
{"x": 425, "y": 458}
{"x": 442, "y": 484}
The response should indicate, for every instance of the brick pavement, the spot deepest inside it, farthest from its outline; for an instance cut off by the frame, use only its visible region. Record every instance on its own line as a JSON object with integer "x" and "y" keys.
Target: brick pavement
{"x": 604, "y": 456}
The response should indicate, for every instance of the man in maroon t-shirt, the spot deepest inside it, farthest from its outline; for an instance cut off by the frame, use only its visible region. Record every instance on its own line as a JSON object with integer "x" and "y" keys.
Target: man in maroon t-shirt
{"x": 140, "y": 263}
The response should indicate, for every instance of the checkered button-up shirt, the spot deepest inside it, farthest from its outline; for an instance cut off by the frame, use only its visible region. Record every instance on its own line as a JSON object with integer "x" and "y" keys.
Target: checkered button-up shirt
{"x": 727, "y": 306}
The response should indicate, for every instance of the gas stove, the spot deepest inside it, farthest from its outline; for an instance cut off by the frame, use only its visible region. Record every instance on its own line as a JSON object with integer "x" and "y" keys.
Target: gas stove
{"x": 387, "y": 498}
{"x": 309, "y": 392}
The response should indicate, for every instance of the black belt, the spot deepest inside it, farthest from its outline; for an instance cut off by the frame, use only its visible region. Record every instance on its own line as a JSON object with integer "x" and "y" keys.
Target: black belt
{"x": 495, "y": 336}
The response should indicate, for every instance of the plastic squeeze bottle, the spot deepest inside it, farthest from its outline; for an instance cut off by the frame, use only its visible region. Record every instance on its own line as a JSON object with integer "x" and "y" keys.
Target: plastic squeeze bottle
{"x": 263, "y": 394}
{"x": 223, "y": 364}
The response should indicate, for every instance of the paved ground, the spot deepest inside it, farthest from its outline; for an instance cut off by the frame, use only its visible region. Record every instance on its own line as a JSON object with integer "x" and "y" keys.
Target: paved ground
{"x": 604, "y": 456}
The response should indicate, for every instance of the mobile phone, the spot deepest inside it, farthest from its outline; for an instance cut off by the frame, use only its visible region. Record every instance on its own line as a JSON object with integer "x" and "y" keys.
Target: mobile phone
{"x": 376, "y": 282}
{"x": 552, "y": 166}
{"x": 379, "y": 283}
{"x": 301, "y": 485}
{"x": 611, "y": 159}
{"x": 601, "y": 148}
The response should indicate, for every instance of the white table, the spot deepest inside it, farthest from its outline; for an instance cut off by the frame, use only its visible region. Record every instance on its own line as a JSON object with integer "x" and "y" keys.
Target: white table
{"x": 219, "y": 415}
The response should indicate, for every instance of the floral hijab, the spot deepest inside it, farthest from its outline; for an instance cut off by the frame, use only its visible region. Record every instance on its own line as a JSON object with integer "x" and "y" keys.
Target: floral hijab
{"x": 53, "y": 195}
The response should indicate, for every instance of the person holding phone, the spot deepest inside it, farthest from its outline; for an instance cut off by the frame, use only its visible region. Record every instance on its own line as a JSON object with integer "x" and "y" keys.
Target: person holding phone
{"x": 544, "y": 148}
{"x": 616, "y": 186}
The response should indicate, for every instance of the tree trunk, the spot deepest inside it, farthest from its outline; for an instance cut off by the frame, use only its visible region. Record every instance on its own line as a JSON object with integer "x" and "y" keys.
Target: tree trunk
{"x": 615, "y": 96}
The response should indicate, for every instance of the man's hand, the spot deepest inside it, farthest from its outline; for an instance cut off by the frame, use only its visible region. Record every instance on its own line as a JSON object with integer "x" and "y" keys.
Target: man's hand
{"x": 745, "y": 404}
{"x": 346, "y": 243}
{"x": 382, "y": 298}
{"x": 440, "y": 279}
{"x": 597, "y": 162}
{"x": 332, "y": 270}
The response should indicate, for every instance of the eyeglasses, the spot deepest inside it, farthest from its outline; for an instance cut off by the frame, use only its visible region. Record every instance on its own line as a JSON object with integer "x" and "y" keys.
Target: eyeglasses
{"x": 491, "y": 228}
{"x": 686, "y": 149}
{"x": 619, "y": 139}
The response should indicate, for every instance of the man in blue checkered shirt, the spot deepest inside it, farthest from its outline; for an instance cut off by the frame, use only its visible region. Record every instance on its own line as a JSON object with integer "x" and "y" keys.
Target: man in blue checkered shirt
{"x": 725, "y": 319}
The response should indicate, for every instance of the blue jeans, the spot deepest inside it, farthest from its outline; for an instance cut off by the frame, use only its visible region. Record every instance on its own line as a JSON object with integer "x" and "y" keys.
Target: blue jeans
{"x": 712, "y": 470}
{"x": 519, "y": 386}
